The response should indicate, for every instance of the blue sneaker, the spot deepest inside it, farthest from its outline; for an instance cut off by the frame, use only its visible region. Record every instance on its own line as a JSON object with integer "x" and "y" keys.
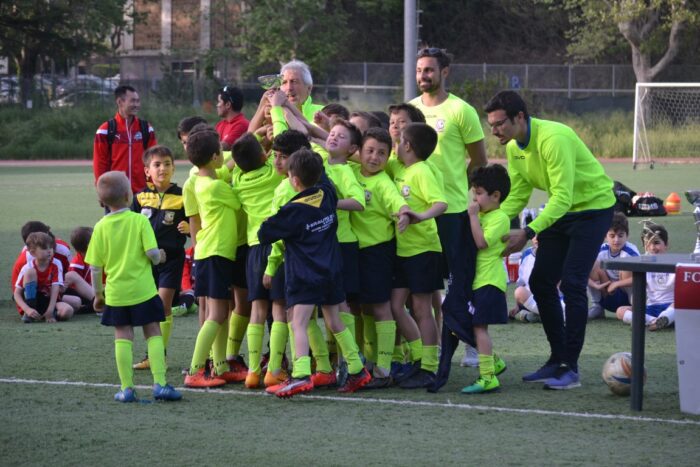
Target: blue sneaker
{"x": 566, "y": 379}
{"x": 546, "y": 371}
{"x": 166, "y": 393}
{"x": 126, "y": 395}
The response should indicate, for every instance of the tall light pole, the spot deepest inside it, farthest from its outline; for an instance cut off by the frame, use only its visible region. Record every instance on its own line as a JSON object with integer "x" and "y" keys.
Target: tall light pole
{"x": 409, "y": 49}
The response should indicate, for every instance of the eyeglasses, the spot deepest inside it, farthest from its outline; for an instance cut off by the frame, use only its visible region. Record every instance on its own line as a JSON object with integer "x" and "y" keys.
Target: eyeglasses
{"x": 431, "y": 52}
{"x": 498, "y": 123}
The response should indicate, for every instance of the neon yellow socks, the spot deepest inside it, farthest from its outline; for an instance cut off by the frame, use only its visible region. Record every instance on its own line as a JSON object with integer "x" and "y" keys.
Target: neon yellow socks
{"x": 166, "y": 327}
{"x": 205, "y": 339}
{"x": 349, "y": 349}
{"x": 156, "y": 358}
{"x": 415, "y": 350}
{"x": 302, "y": 367}
{"x": 278, "y": 341}
{"x": 255, "y": 342}
{"x": 369, "y": 331}
{"x": 123, "y": 354}
{"x": 348, "y": 320}
{"x": 486, "y": 366}
{"x": 318, "y": 346}
{"x": 429, "y": 358}
{"x": 219, "y": 349}
{"x": 386, "y": 333}
{"x": 237, "y": 326}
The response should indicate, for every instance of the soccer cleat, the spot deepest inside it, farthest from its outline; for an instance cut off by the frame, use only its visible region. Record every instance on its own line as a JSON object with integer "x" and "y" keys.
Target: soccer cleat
{"x": 144, "y": 364}
{"x": 26, "y": 319}
{"x": 421, "y": 379}
{"x": 342, "y": 373}
{"x": 237, "y": 364}
{"x": 521, "y": 316}
{"x": 566, "y": 378}
{"x": 356, "y": 381}
{"x": 193, "y": 309}
{"x": 252, "y": 380}
{"x": 408, "y": 371}
{"x": 546, "y": 371}
{"x": 231, "y": 376}
{"x": 379, "y": 383}
{"x": 202, "y": 380}
{"x": 295, "y": 386}
{"x": 532, "y": 317}
{"x": 499, "y": 365}
{"x": 166, "y": 393}
{"x": 482, "y": 385}
{"x": 324, "y": 380}
{"x": 659, "y": 323}
{"x": 272, "y": 380}
{"x": 126, "y": 395}
{"x": 471, "y": 357}
{"x": 264, "y": 361}
{"x": 179, "y": 310}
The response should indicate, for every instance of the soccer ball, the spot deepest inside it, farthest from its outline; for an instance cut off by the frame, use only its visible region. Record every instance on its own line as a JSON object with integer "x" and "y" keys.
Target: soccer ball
{"x": 617, "y": 373}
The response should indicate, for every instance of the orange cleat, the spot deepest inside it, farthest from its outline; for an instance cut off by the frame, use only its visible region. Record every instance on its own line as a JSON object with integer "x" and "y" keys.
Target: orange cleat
{"x": 252, "y": 380}
{"x": 272, "y": 380}
{"x": 295, "y": 386}
{"x": 201, "y": 380}
{"x": 356, "y": 381}
{"x": 323, "y": 380}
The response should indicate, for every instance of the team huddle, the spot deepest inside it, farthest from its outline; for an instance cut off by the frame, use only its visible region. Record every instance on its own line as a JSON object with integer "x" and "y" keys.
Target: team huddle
{"x": 310, "y": 211}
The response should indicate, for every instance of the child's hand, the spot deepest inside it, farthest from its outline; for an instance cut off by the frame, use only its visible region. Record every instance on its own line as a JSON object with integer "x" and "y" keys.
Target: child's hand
{"x": 278, "y": 98}
{"x": 600, "y": 286}
{"x": 473, "y": 208}
{"x": 267, "y": 281}
{"x": 322, "y": 120}
{"x": 404, "y": 220}
{"x": 613, "y": 286}
{"x": 183, "y": 227}
{"x": 413, "y": 217}
{"x": 48, "y": 317}
{"x": 163, "y": 258}
{"x": 32, "y": 313}
{"x": 98, "y": 302}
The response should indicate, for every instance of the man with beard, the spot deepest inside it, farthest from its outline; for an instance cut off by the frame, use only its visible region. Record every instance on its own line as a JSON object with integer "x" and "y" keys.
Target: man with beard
{"x": 233, "y": 124}
{"x": 459, "y": 135}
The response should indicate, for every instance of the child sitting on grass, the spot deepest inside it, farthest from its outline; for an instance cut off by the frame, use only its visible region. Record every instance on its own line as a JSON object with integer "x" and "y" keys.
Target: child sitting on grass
{"x": 124, "y": 246}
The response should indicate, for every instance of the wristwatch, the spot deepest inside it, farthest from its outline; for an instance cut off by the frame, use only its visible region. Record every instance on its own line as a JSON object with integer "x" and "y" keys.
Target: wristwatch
{"x": 529, "y": 233}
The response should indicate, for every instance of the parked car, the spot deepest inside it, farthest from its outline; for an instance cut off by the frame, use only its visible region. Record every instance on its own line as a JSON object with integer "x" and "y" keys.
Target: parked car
{"x": 84, "y": 82}
{"x": 83, "y": 97}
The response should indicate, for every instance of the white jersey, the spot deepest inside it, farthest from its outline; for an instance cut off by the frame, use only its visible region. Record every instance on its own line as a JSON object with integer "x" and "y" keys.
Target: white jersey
{"x": 660, "y": 287}
{"x": 630, "y": 249}
{"x": 527, "y": 262}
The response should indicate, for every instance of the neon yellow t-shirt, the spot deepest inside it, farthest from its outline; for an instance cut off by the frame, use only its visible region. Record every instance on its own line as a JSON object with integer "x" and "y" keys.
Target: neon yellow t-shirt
{"x": 419, "y": 188}
{"x": 255, "y": 190}
{"x": 457, "y": 124}
{"x": 347, "y": 187}
{"x": 376, "y": 223}
{"x": 118, "y": 245}
{"x": 556, "y": 161}
{"x": 489, "y": 263}
{"x": 283, "y": 193}
{"x": 279, "y": 123}
{"x": 217, "y": 209}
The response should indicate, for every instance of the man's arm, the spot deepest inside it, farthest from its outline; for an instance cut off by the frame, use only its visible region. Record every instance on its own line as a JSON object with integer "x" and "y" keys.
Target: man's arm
{"x": 477, "y": 155}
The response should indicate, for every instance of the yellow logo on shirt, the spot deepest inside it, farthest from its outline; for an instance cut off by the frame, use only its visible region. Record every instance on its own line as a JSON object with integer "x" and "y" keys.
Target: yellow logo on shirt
{"x": 314, "y": 200}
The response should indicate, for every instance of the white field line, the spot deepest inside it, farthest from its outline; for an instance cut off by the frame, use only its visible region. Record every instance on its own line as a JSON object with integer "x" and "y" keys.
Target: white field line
{"x": 372, "y": 400}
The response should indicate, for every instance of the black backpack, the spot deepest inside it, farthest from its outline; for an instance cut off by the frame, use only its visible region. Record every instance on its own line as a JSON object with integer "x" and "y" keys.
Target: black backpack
{"x": 649, "y": 205}
{"x": 112, "y": 131}
{"x": 623, "y": 198}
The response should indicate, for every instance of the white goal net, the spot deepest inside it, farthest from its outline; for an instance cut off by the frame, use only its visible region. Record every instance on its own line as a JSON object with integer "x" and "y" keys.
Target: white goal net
{"x": 666, "y": 122}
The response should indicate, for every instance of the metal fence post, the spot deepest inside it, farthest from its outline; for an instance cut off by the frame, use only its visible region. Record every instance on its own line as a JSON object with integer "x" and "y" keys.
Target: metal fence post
{"x": 571, "y": 67}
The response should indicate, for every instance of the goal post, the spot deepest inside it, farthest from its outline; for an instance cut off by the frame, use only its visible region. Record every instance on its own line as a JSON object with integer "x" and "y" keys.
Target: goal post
{"x": 666, "y": 122}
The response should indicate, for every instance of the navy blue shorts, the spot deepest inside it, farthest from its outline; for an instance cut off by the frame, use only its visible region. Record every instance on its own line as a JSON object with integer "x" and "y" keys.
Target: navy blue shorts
{"x": 150, "y": 311}
{"x": 331, "y": 293}
{"x": 168, "y": 275}
{"x": 239, "y": 267}
{"x": 213, "y": 277}
{"x": 617, "y": 299}
{"x": 489, "y": 306}
{"x": 351, "y": 270}
{"x": 376, "y": 271}
{"x": 257, "y": 262}
{"x": 421, "y": 273}
{"x": 655, "y": 310}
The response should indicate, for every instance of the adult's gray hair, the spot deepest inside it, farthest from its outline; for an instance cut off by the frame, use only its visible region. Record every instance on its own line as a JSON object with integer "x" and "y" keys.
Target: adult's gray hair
{"x": 302, "y": 68}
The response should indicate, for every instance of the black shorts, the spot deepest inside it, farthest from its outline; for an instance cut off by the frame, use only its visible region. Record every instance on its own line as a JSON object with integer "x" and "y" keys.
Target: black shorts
{"x": 140, "y": 314}
{"x": 168, "y": 275}
{"x": 351, "y": 270}
{"x": 330, "y": 293}
{"x": 489, "y": 306}
{"x": 213, "y": 277}
{"x": 376, "y": 264}
{"x": 239, "y": 267}
{"x": 419, "y": 274}
{"x": 42, "y": 303}
{"x": 257, "y": 262}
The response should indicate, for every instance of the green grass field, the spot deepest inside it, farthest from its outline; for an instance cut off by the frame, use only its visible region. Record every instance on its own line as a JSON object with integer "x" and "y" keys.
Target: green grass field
{"x": 57, "y": 382}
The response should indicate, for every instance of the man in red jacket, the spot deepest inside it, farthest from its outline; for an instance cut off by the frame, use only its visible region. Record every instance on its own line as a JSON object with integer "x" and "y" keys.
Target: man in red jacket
{"x": 233, "y": 125}
{"x": 120, "y": 142}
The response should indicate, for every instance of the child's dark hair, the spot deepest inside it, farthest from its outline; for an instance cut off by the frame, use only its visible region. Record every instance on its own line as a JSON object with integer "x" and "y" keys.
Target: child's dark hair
{"x": 355, "y": 133}
{"x": 383, "y": 118}
{"x": 80, "y": 238}
{"x": 492, "y": 178}
{"x": 186, "y": 125}
{"x": 157, "y": 150}
{"x": 34, "y": 226}
{"x": 620, "y": 223}
{"x": 422, "y": 138}
{"x": 414, "y": 113}
{"x": 508, "y": 101}
{"x": 289, "y": 141}
{"x": 651, "y": 230}
{"x": 372, "y": 120}
{"x": 379, "y": 134}
{"x": 248, "y": 153}
{"x": 39, "y": 240}
{"x": 307, "y": 166}
{"x": 202, "y": 144}
{"x": 334, "y": 109}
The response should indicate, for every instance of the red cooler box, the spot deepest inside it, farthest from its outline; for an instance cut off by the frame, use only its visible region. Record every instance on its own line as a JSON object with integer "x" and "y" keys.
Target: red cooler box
{"x": 687, "y": 305}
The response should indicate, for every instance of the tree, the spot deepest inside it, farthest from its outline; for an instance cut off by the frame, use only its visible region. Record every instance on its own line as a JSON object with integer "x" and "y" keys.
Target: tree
{"x": 35, "y": 30}
{"x": 653, "y": 30}
{"x": 276, "y": 31}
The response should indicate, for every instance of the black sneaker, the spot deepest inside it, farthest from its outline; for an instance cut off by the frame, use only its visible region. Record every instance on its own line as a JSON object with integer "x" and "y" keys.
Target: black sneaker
{"x": 407, "y": 372}
{"x": 421, "y": 379}
{"x": 379, "y": 383}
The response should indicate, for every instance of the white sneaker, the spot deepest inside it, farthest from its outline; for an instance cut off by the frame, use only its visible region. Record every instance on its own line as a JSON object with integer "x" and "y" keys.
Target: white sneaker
{"x": 596, "y": 311}
{"x": 532, "y": 317}
{"x": 471, "y": 357}
{"x": 521, "y": 316}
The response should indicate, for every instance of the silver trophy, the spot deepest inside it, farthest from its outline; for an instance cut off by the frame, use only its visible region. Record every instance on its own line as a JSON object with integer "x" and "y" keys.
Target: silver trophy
{"x": 693, "y": 197}
{"x": 270, "y": 81}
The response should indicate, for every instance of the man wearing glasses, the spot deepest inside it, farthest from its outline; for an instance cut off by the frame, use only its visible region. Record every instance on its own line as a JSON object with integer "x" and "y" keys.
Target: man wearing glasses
{"x": 233, "y": 125}
{"x": 550, "y": 156}
{"x": 459, "y": 136}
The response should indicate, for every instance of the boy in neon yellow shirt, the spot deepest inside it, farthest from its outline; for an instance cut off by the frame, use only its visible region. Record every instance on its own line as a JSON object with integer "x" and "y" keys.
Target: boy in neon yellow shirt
{"x": 124, "y": 246}
{"x": 417, "y": 271}
{"x": 489, "y": 225}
